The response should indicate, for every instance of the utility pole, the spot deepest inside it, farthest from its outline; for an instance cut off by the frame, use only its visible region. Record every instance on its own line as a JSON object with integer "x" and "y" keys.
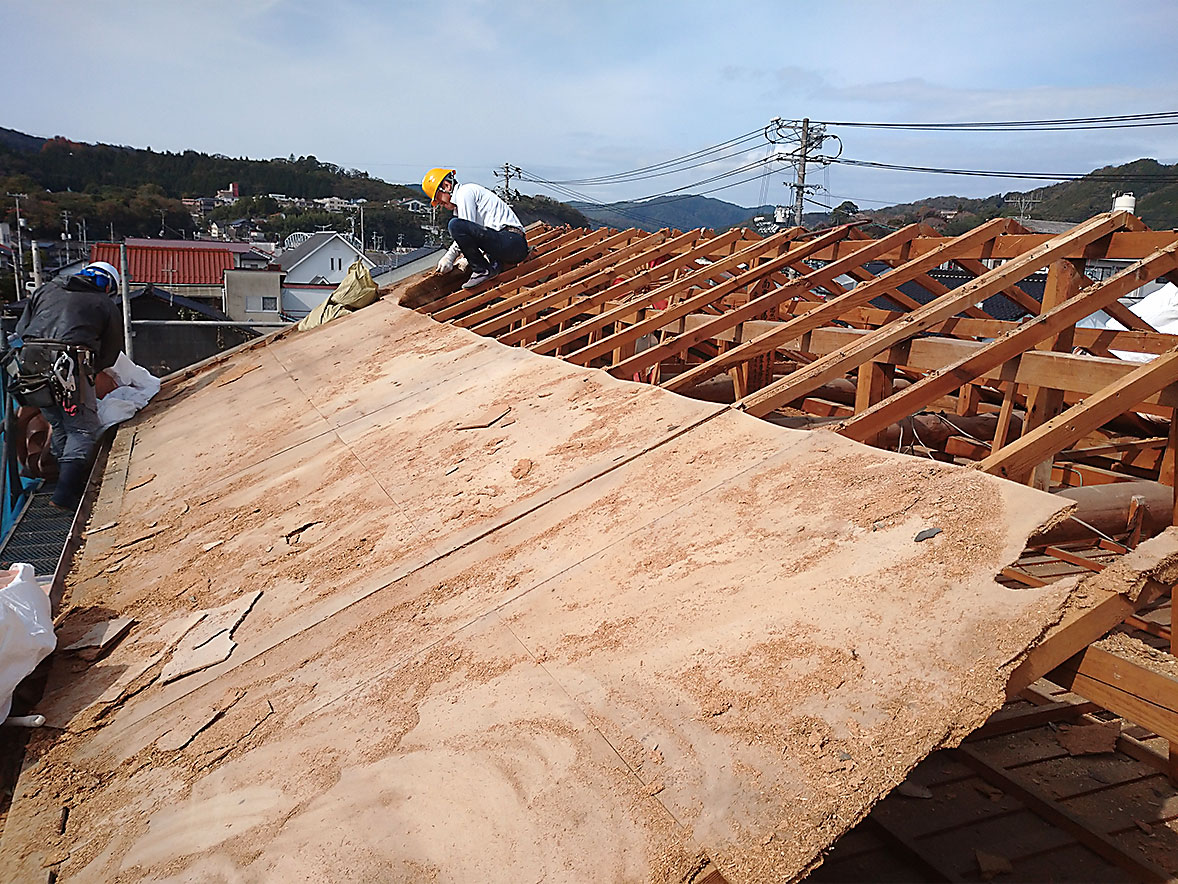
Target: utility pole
{"x": 809, "y": 138}
{"x": 800, "y": 187}
{"x": 506, "y": 174}
{"x": 36, "y": 265}
{"x": 66, "y": 236}
{"x": 20, "y": 248}
{"x": 1024, "y": 205}
{"x": 125, "y": 295}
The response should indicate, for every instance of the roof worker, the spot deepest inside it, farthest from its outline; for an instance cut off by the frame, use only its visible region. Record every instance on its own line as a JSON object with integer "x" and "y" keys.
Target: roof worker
{"x": 485, "y": 229}
{"x": 69, "y": 332}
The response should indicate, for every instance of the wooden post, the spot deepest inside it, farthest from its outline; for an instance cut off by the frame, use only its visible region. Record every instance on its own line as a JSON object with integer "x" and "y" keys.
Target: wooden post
{"x": 1064, "y": 279}
{"x": 874, "y": 385}
{"x": 1166, "y": 475}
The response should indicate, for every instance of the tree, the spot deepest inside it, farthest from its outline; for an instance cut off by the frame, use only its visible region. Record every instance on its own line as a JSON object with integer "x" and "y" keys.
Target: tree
{"x": 843, "y": 212}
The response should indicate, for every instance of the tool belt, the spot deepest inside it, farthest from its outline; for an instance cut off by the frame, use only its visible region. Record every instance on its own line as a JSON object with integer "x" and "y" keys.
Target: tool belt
{"x": 43, "y": 373}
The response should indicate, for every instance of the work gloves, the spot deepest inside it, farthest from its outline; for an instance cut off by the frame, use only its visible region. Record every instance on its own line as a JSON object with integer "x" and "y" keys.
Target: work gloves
{"x": 453, "y": 258}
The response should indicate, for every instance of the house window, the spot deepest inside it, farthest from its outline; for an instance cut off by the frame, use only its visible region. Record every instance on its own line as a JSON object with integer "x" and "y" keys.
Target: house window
{"x": 264, "y": 304}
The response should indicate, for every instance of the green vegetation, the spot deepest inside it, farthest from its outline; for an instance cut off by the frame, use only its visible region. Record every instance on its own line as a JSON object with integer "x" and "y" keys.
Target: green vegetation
{"x": 550, "y": 211}
{"x": 1069, "y": 201}
{"x": 123, "y": 191}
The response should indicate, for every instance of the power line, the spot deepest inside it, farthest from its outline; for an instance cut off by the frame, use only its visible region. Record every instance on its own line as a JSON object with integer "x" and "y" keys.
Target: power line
{"x": 643, "y": 171}
{"x": 982, "y": 173}
{"x": 1124, "y": 121}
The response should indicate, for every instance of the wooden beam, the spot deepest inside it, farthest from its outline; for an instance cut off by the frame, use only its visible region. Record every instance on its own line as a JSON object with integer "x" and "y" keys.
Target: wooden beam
{"x": 1141, "y": 695}
{"x": 1005, "y": 348}
{"x": 1015, "y": 294}
{"x": 1024, "y": 789}
{"x": 630, "y": 288}
{"x": 1017, "y": 458}
{"x": 1065, "y": 279}
{"x": 801, "y": 382}
{"x": 756, "y": 306}
{"x": 710, "y": 294}
{"x": 606, "y": 253}
{"x": 1122, "y": 245}
{"x": 834, "y": 309}
{"x": 1077, "y": 630}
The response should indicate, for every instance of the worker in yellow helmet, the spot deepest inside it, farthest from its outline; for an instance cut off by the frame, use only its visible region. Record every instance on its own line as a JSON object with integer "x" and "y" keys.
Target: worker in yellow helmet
{"x": 485, "y": 229}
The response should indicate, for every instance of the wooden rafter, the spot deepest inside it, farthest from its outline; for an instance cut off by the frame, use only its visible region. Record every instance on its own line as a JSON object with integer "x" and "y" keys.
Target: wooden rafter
{"x": 530, "y": 301}
{"x": 538, "y": 256}
{"x": 754, "y": 307}
{"x": 700, "y": 277}
{"x": 1012, "y": 344}
{"x": 711, "y": 295}
{"x": 833, "y": 309}
{"x": 654, "y": 276}
{"x": 1020, "y": 456}
{"x": 558, "y": 261}
{"x": 812, "y": 376}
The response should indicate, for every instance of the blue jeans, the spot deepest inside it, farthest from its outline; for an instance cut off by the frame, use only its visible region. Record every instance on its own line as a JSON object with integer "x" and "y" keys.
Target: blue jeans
{"x": 75, "y": 436}
{"x": 484, "y": 246}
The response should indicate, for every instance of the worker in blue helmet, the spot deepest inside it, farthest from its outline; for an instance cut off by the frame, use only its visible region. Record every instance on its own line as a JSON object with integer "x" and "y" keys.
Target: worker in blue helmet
{"x": 70, "y": 330}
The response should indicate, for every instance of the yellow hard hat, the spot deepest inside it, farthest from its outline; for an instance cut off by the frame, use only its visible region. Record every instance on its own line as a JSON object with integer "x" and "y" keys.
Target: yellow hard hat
{"x": 433, "y": 180}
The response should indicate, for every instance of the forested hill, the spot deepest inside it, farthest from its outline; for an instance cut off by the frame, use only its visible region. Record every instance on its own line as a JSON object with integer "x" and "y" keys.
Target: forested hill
{"x": 58, "y": 164}
{"x": 1154, "y": 184}
{"x": 122, "y": 191}
{"x": 681, "y": 212}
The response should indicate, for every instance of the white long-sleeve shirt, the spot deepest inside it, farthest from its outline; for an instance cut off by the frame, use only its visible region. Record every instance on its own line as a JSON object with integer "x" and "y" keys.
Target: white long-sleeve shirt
{"x": 473, "y": 202}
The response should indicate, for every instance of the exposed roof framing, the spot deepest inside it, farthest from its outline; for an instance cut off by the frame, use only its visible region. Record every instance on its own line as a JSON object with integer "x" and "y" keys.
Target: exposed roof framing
{"x": 787, "y": 316}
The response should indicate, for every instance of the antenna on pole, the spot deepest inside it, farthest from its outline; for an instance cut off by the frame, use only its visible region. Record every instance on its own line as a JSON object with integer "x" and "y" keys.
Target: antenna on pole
{"x": 1024, "y": 203}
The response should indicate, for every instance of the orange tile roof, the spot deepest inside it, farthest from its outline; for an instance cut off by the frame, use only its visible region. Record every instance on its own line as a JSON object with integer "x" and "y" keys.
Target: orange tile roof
{"x": 169, "y": 265}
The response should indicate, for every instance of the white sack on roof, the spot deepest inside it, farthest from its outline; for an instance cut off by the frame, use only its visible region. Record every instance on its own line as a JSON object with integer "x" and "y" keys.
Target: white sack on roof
{"x": 136, "y": 387}
{"x": 26, "y": 630}
{"x": 1159, "y": 309}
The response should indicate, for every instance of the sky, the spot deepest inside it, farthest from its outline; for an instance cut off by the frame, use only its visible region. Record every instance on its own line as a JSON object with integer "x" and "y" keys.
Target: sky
{"x": 574, "y": 89}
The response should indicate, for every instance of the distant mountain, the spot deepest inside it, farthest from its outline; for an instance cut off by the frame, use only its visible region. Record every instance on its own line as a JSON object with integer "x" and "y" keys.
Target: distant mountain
{"x": 19, "y": 140}
{"x": 684, "y": 212}
{"x": 1153, "y": 184}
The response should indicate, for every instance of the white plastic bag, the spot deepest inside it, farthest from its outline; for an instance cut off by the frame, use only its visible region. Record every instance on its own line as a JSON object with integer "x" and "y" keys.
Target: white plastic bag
{"x": 26, "y": 631}
{"x": 136, "y": 387}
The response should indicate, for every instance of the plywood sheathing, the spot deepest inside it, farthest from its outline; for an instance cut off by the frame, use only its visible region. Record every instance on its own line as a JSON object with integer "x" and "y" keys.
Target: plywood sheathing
{"x": 517, "y": 619}
{"x": 682, "y": 311}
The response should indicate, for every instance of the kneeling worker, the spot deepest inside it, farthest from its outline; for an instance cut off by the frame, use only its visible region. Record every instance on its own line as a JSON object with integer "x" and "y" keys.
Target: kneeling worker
{"x": 485, "y": 229}
{"x": 79, "y": 327}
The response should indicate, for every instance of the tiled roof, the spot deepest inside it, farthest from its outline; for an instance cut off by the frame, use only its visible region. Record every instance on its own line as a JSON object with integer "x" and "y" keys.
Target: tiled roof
{"x": 241, "y": 247}
{"x": 169, "y": 265}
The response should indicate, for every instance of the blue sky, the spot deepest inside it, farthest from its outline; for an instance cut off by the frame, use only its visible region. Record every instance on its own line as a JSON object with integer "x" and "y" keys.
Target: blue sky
{"x": 570, "y": 90}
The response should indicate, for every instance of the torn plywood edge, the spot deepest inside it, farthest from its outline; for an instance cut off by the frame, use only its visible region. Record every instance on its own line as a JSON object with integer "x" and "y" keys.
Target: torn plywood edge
{"x": 683, "y": 634}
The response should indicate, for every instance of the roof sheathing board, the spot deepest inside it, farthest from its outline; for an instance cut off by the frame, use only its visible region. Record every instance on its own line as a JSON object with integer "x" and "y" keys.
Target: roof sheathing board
{"x": 674, "y": 629}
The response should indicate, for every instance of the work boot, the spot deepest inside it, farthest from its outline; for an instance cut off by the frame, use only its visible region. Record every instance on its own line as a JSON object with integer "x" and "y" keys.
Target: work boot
{"x": 71, "y": 482}
{"x": 481, "y": 276}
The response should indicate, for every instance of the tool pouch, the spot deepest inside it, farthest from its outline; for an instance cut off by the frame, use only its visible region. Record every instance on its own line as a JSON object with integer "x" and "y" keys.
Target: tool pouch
{"x": 43, "y": 373}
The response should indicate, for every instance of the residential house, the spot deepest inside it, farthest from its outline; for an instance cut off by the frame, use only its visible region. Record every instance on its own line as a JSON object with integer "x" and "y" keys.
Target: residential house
{"x": 253, "y": 297}
{"x": 163, "y": 349}
{"x": 418, "y": 207}
{"x": 400, "y": 267}
{"x": 314, "y": 267}
{"x": 193, "y": 268}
